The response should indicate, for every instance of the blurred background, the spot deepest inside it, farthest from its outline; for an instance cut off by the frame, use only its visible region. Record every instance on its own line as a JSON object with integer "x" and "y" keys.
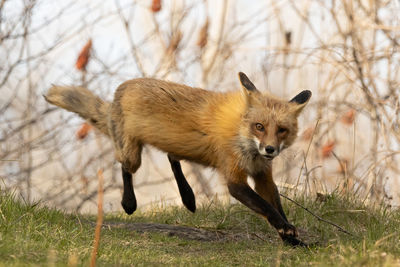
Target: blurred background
{"x": 345, "y": 52}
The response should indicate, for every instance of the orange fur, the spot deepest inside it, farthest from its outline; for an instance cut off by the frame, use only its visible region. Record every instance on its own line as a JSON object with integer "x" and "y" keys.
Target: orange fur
{"x": 233, "y": 132}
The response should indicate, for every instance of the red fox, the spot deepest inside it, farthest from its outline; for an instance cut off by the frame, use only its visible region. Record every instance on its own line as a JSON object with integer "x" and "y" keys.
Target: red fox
{"x": 238, "y": 133}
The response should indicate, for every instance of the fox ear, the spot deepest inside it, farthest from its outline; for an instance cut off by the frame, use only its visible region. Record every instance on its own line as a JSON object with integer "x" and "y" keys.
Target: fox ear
{"x": 301, "y": 100}
{"x": 246, "y": 83}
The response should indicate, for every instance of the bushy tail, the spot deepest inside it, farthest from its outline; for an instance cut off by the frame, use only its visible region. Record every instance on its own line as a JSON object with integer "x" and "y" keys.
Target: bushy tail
{"x": 81, "y": 101}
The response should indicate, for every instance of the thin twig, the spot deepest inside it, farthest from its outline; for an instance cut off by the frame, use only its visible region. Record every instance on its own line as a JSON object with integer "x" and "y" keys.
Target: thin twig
{"x": 213, "y": 58}
{"x": 99, "y": 219}
{"x": 318, "y": 217}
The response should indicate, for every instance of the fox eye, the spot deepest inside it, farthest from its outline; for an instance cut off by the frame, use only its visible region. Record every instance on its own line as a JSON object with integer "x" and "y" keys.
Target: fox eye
{"x": 282, "y": 130}
{"x": 260, "y": 127}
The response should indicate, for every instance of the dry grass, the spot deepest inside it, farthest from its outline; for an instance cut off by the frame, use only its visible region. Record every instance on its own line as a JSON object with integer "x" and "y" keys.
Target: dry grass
{"x": 35, "y": 235}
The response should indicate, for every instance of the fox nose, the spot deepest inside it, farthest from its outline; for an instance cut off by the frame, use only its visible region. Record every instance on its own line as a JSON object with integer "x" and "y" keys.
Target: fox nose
{"x": 269, "y": 149}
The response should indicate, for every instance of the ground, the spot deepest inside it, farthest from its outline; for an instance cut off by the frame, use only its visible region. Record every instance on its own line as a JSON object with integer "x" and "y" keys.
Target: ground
{"x": 217, "y": 234}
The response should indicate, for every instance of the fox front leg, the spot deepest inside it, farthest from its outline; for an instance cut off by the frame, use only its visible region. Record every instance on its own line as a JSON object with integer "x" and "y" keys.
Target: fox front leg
{"x": 246, "y": 195}
{"x": 266, "y": 188}
{"x": 185, "y": 190}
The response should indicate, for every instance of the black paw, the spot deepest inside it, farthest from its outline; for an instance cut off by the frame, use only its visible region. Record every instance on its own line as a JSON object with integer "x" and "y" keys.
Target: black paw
{"x": 294, "y": 242}
{"x": 189, "y": 202}
{"x": 289, "y": 235}
{"x": 288, "y": 230}
{"x": 129, "y": 205}
{"x": 188, "y": 198}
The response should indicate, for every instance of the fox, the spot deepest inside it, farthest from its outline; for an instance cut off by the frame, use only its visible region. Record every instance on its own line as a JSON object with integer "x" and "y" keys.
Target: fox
{"x": 238, "y": 133}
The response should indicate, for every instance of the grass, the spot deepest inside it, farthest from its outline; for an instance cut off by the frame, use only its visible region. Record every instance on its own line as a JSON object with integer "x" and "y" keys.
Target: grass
{"x": 31, "y": 234}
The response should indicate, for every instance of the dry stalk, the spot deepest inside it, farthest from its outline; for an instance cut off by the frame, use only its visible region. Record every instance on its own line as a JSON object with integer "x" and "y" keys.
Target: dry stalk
{"x": 99, "y": 221}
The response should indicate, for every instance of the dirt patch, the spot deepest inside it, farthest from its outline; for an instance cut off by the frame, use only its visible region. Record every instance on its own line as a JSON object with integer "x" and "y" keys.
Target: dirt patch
{"x": 190, "y": 233}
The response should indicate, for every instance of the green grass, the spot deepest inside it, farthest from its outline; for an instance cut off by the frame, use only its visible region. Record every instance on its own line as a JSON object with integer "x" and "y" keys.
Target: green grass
{"x": 36, "y": 235}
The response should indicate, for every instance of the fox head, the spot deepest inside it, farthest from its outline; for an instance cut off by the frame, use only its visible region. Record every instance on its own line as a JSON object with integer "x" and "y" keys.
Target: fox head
{"x": 270, "y": 124}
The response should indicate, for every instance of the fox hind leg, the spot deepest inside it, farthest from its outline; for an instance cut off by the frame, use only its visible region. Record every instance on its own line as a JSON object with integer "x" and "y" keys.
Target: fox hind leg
{"x": 185, "y": 190}
{"x": 130, "y": 164}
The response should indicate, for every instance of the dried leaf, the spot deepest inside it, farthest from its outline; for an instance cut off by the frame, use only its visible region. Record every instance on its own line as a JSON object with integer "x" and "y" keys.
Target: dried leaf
{"x": 84, "y": 56}
{"x": 83, "y": 131}
{"x": 348, "y": 117}
{"x": 203, "y": 34}
{"x": 156, "y": 6}
{"x": 327, "y": 149}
